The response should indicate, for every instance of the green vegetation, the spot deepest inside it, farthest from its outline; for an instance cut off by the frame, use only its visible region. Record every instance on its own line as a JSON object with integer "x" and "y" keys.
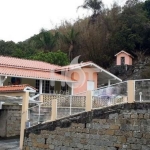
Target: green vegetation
{"x": 97, "y": 38}
{"x": 58, "y": 57}
{"x": 70, "y": 39}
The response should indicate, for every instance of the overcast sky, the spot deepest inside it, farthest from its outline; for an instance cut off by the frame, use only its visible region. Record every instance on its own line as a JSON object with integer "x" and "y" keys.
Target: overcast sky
{"x": 21, "y": 19}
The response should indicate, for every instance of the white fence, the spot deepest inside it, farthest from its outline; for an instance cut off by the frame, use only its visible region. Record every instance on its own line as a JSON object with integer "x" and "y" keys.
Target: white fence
{"x": 70, "y": 105}
{"x": 109, "y": 95}
{"x": 74, "y": 104}
{"x": 39, "y": 113}
{"x": 66, "y": 106}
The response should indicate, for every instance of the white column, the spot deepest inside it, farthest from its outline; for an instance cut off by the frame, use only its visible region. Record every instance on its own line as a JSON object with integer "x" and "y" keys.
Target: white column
{"x": 1, "y": 81}
{"x": 1, "y": 105}
{"x": 71, "y": 88}
{"x": 40, "y": 87}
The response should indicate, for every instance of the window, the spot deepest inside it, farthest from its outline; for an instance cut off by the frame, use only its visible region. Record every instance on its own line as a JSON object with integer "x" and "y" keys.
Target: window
{"x": 46, "y": 88}
{"x": 64, "y": 89}
{"x": 37, "y": 83}
{"x": 90, "y": 85}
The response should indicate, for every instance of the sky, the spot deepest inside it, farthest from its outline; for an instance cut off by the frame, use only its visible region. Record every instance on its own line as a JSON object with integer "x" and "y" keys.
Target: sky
{"x": 21, "y": 19}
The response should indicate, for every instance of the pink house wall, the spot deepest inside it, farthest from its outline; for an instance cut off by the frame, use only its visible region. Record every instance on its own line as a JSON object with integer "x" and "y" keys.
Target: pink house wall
{"x": 128, "y": 59}
{"x": 82, "y": 76}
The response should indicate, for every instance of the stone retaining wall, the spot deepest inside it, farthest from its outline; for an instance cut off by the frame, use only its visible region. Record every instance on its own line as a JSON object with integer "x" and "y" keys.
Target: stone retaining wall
{"x": 10, "y": 120}
{"x": 122, "y": 127}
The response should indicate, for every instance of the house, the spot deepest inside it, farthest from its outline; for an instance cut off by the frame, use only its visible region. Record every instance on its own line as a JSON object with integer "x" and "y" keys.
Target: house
{"x": 123, "y": 58}
{"x": 20, "y": 79}
{"x": 49, "y": 78}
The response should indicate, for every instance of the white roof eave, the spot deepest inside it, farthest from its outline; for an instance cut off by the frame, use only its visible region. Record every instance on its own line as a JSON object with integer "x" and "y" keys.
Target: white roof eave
{"x": 37, "y": 78}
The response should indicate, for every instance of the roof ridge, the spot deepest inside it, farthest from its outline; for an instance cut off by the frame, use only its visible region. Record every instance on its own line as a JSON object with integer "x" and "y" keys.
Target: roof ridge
{"x": 27, "y": 68}
{"x": 28, "y": 60}
{"x": 124, "y": 52}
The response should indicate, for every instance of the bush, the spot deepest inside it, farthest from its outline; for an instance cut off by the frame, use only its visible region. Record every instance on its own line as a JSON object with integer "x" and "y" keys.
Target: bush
{"x": 57, "y": 58}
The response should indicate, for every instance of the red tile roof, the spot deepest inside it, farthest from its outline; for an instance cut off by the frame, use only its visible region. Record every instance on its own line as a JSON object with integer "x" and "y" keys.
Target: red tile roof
{"x": 24, "y": 63}
{"x": 16, "y": 67}
{"x": 35, "y": 74}
{"x": 14, "y": 88}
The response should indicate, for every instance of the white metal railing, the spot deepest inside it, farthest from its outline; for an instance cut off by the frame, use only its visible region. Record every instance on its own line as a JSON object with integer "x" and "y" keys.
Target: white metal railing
{"x": 74, "y": 104}
{"x": 39, "y": 113}
{"x": 109, "y": 95}
{"x": 71, "y": 105}
{"x": 142, "y": 90}
{"x": 66, "y": 106}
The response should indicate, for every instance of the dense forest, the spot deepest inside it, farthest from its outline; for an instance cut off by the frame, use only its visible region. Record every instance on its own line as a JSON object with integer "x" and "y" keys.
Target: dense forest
{"x": 96, "y": 38}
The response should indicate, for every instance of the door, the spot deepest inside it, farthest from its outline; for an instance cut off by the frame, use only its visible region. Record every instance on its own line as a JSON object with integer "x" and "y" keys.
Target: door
{"x": 90, "y": 85}
{"x": 122, "y": 60}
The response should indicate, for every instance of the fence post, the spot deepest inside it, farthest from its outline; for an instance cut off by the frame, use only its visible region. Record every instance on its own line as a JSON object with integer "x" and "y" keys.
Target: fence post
{"x": 88, "y": 100}
{"x": 54, "y": 110}
{"x": 41, "y": 98}
{"x": 131, "y": 91}
{"x": 70, "y": 99}
{"x": 25, "y": 103}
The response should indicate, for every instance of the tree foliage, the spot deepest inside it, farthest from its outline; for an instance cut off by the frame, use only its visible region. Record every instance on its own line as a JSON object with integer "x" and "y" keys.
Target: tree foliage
{"x": 46, "y": 40}
{"x": 116, "y": 28}
{"x": 95, "y": 6}
{"x": 70, "y": 39}
{"x": 58, "y": 57}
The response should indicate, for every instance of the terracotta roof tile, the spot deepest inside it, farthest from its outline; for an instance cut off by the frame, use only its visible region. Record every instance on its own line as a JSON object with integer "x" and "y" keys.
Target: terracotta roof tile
{"x": 24, "y": 63}
{"x": 14, "y": 88}
{"x": 35, "y": 74}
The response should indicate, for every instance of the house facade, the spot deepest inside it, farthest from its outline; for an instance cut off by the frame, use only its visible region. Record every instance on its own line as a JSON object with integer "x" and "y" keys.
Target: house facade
{"x": 49, "y": 78}
{"x": 123, "y": 58}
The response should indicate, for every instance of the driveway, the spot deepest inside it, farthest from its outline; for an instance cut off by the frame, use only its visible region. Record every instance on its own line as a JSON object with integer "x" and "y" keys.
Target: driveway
{"x": 9, "y": 144}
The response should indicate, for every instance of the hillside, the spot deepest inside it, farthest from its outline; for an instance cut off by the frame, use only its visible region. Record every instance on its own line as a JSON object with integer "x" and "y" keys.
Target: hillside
{"x": 139, "y": 70}
{"x": 97, "y": 38}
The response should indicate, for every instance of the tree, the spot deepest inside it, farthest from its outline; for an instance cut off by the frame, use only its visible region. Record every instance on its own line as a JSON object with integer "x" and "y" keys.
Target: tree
{"x": 7, "y": 48}
{"x": 70, "y": 38}
{"x": 147, "y": 7}
{"x": 23, "y": 50}
{"x": 95, "y": 6}
{"x": 18, "y": 53}
{"x": 57, "y": 58}
{"x": 132, "y": 28}
{"x": 46, "y": 40}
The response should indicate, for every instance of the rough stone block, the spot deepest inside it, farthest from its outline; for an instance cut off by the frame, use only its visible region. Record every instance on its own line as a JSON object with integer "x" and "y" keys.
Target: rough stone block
{"x": 113, "y": 116}
{"x": 109, "y": 132}
{"x": 115, "y": 127}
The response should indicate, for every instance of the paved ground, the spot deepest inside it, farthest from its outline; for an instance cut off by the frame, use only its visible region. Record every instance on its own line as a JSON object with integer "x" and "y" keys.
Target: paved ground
{"x": 9, "y": 144}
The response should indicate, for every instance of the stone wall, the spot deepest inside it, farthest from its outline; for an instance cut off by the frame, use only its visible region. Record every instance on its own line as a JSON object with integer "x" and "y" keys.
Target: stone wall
{"x": 10, "y": 120}
{"x": 122, "y": 127}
